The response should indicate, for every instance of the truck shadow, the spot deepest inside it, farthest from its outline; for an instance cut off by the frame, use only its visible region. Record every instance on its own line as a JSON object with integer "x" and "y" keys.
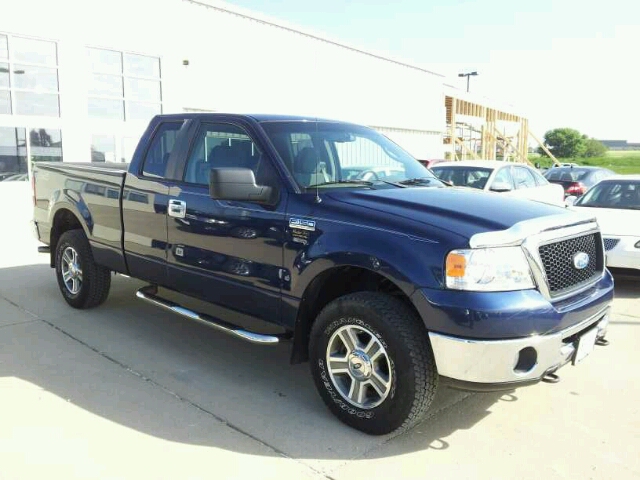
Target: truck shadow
{"x": 626, "y": 286}
{"x": 157, "y": 355}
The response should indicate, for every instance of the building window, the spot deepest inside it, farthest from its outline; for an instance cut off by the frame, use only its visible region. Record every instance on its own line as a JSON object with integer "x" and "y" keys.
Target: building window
{"x": 13, "y": 150}
{"x": 45, "y": 145}
{"x": 103, "y": 148}
{"x": 124, "y": 86}
{"x": 28, "y": 77}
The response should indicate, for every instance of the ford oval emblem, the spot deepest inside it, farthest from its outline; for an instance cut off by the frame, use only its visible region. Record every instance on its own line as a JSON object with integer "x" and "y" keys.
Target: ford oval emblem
{"x": 580, "y": 260}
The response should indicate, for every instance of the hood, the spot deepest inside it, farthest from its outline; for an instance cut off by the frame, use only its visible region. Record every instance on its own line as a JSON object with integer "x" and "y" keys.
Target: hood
{"x": 615, "y": 221}
{"x": 459, "y": 210}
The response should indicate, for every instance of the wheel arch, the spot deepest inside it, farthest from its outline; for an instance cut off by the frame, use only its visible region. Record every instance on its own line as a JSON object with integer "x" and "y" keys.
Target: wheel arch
{"x": 335, "y": 282}
{"x": 63, "y": 219}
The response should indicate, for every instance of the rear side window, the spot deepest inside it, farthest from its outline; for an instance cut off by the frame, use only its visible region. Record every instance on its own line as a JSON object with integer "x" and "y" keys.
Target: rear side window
{"x": 540, "y": 180}
{"x": 523, "y": 178}
{"x": 157, "y": 157}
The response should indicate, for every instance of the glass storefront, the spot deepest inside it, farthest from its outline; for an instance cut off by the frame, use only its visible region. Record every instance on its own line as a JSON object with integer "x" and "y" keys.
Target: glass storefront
{"x": 124, "y": 86}
{"x": 13, "y": 151}
{"x": 29, "y": 77}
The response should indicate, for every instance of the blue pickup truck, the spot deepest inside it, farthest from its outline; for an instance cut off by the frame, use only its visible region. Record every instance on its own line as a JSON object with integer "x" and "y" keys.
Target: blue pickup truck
{"x": 389, "y": 282}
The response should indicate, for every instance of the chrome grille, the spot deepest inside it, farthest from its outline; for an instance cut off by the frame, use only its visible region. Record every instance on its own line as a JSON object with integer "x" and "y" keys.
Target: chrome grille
{"x": 610, "y": 243}
{"x": 558, "y": 261}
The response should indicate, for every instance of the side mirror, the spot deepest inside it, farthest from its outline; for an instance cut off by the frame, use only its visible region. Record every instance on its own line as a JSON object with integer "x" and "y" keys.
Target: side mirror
{"x": 501, "y": 187}
{"x": 570, "y": 200}
{"x": 237, "y": 184}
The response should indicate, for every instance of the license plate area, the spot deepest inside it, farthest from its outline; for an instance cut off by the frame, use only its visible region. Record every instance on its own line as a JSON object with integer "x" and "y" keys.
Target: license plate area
{"x": 586, "y": 344}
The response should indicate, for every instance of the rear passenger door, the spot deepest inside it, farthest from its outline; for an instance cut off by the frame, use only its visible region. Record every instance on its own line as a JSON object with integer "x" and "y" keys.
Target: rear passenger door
{"x": 144, "y": 204}
{"x": 227, "y": 252}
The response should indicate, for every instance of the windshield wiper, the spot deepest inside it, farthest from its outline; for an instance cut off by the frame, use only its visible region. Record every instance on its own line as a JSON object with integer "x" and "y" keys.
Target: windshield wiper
{"x": 337, "y": 182}
{"x": 418, "y": 181}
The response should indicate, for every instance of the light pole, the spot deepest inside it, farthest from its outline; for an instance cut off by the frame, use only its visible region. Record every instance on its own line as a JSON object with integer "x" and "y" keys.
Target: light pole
{"x": 470, "y": 74}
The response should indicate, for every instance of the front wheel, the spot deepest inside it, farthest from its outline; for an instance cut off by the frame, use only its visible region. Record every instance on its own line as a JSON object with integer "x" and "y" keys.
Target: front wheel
{"x": 372, "y": 362}
{"x": 82, "y": 282}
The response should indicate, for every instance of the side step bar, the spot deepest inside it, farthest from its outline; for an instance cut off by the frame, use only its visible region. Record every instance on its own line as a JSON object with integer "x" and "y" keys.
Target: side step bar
{"x": 150, "y": 294}
{"x": 44, "y": 249}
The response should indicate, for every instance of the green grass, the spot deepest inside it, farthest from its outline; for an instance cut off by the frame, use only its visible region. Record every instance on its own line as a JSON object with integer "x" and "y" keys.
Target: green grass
{"x": 623, "y": 162}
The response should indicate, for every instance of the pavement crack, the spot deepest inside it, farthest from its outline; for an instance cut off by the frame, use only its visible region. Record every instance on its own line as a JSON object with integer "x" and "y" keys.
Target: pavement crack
{"x": 19, "y": 323}
{"x": 179, "y": 397}
{"x": 19, "y": 307}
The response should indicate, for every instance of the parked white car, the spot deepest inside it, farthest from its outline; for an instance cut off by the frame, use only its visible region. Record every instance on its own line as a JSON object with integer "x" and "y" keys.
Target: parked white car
{"x": 615, "y": 202}
{"x": 506, "y": 178}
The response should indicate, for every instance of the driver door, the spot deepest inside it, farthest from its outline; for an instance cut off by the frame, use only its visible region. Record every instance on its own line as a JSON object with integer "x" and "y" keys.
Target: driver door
{"x": 227, "y": 252}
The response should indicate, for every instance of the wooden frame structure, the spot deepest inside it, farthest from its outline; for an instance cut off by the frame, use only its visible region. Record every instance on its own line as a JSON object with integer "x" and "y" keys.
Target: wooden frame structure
{"x": 473, "y": 132}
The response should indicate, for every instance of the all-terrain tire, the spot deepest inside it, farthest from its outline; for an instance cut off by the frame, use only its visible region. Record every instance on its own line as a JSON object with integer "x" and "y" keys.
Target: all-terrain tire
{"x": 413, "y": 375}
{"x": 96, "y": 280}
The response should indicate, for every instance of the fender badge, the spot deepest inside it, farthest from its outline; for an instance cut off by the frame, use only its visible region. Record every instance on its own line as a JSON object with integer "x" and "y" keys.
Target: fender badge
{"x": 302, "y": 224}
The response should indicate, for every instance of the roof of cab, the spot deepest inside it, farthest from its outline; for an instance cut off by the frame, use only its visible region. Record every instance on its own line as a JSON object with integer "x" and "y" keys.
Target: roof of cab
{"x": 260, "y": 117}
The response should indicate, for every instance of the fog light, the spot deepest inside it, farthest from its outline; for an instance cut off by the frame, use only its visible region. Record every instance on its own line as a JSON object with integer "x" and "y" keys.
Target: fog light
{"x": 527, "y": 359}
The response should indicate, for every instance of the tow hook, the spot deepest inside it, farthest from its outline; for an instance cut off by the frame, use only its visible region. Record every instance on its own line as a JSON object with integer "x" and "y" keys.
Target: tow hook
{"x": 550, "y": 378}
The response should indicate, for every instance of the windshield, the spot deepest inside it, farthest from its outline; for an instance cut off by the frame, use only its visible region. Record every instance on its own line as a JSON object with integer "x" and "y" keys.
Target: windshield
{"x": 473, "y": 177}
{"x": 333, "y": 155}
{"x": 623, "y": 194}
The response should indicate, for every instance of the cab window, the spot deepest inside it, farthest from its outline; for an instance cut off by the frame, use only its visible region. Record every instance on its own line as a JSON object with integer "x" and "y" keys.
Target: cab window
{"x": 157, "y": 157}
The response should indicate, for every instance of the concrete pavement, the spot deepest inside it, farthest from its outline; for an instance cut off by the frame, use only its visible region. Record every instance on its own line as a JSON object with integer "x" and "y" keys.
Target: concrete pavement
{"x": 130, "y": 391}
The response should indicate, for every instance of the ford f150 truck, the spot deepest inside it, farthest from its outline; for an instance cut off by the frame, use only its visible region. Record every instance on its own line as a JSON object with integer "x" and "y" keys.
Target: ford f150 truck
{"x": 388, "y": 281}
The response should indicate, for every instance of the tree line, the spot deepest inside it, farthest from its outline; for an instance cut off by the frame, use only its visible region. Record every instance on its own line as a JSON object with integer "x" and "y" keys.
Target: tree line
{"x": 570, "y": 143}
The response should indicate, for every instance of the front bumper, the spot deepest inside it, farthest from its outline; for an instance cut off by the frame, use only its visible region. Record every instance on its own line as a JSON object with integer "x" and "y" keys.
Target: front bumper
{"x": 491, "y": 364}
{"x": 624, "y": 254}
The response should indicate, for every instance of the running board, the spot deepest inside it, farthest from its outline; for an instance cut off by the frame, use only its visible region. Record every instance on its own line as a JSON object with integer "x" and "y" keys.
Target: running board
{"x": 149, "y": 294}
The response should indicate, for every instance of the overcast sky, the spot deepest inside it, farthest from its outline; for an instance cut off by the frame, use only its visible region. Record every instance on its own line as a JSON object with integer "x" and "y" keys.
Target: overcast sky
{"x": 562, "y": 63}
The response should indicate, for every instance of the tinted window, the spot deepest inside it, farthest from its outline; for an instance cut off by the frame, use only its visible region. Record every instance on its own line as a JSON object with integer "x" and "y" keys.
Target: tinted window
{"x": 523, "y": 178}
{"x": 609, "y": 194}
{"x": 473, "y": 177}
{"x": 46, "y": 145}
{"x": 157, "y": 157}
{"x": 13, "y": 150}
{"x": 223, "y": 145}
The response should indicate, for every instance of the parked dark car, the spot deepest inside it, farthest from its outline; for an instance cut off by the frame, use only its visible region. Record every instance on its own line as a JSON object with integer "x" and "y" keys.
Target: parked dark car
{"x": 389, "y": 287}
{"x": 430, "y": 163}
{"x": 576, "y": 181}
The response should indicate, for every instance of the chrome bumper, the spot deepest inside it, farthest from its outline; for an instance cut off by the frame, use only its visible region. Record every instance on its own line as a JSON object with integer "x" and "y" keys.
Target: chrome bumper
{"x": 510, "y": 361}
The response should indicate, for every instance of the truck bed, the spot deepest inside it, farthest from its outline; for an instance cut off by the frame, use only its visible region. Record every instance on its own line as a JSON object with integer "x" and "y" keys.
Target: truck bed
{"x": 92, "y": 192}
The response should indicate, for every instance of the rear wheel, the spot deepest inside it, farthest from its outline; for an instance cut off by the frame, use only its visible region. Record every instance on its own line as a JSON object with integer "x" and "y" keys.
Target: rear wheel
{"x": 83, "y": 284}
{"x": 372, "y": 362}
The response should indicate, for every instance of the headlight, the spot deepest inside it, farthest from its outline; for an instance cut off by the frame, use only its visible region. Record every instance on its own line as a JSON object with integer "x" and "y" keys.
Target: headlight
{"x": 488, "y": 270}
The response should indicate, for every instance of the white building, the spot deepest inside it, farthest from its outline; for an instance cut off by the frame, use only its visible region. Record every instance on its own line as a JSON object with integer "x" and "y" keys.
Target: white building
{"x": 80, "y": 80}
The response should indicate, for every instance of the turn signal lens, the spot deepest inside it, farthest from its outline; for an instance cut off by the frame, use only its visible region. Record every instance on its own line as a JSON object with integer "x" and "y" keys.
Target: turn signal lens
{"x": 456, "y": 265}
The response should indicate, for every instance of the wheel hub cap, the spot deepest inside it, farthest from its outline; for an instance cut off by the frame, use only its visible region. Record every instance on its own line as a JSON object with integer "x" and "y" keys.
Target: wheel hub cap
{"x": 71, "y": 270}
{"x": 359, "y": 366}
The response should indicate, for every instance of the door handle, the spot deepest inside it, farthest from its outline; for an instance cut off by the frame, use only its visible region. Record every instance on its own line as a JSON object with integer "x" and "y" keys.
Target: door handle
{"x": 177, "y": 208}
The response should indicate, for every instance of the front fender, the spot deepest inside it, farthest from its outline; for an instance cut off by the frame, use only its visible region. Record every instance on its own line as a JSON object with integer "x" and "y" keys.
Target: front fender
{"x": 407, "y": 261}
